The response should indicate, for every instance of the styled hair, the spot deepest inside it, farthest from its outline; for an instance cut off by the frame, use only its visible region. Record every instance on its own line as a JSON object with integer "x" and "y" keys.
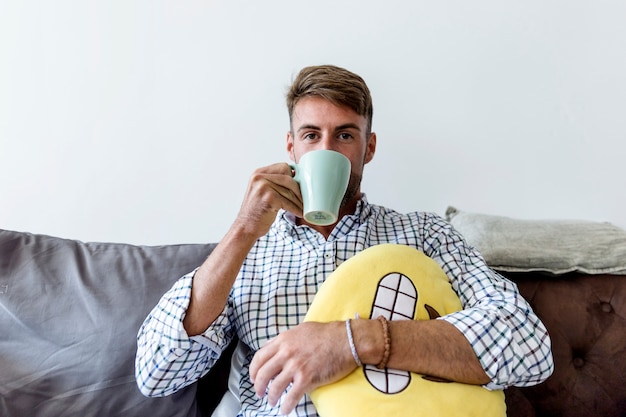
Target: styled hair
{"x": 337, "y": 85}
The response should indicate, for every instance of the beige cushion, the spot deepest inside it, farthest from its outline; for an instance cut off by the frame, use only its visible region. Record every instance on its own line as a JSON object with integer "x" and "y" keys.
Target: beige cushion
{"x": 554, "y": 246}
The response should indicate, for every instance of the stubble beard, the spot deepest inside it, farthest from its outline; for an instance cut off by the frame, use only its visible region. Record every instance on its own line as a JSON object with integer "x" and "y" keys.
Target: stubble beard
{"x": 354, "y": 184}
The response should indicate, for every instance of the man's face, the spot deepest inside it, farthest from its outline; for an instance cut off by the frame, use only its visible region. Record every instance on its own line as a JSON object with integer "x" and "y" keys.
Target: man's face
{"x": 317, "y": 123}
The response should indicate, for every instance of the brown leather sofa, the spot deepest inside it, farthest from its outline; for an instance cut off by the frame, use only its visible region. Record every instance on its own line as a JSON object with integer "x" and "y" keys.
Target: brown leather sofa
{"x": 586, "y": 318}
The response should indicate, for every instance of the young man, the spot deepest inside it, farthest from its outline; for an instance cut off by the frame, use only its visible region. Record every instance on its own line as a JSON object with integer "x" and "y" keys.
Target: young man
{"x": 261, "y": 278}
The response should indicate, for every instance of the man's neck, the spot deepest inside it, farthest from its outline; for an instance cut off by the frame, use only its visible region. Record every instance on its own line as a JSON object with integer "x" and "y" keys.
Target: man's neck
{"x": 344, "y": 210}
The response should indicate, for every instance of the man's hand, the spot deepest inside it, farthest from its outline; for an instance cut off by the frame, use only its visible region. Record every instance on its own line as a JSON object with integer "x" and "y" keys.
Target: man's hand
{"x": 307, "y": 356}
{"x": 270, "y": 189}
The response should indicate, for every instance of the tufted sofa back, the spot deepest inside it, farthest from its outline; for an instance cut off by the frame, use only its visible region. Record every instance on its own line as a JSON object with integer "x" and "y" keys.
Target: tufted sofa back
{"x": 586, "y": 318}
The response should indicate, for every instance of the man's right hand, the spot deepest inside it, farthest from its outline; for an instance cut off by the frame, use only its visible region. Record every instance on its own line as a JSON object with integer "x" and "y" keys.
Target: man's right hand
{"x": 270, "y": 189}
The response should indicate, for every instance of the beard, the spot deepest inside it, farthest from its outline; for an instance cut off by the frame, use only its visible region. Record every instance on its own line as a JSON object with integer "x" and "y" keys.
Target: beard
{"x": 354, "y": 184}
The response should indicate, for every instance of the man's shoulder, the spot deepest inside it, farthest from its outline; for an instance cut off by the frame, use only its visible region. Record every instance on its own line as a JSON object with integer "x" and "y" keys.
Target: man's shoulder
{"x": 422, "y": 216}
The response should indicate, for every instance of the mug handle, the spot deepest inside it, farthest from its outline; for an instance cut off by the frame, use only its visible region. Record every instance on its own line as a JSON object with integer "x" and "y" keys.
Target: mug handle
{"x": 294, "y": 172}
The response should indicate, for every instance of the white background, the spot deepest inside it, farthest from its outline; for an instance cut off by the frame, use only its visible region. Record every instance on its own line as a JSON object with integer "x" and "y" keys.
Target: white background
{"x": 141, "y": 121}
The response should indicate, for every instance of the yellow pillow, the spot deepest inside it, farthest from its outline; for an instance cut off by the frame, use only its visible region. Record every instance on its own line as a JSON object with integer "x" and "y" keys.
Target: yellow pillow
{"x": 398, "y": 282}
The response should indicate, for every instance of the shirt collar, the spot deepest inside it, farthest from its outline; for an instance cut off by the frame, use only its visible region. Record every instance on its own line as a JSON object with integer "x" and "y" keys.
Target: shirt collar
{"x": 286, "y": 221}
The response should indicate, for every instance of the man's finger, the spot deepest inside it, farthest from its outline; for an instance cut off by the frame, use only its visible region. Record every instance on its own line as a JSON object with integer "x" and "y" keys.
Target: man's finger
{"x": 291, "y": 399}
{"x": 278, "y": 387}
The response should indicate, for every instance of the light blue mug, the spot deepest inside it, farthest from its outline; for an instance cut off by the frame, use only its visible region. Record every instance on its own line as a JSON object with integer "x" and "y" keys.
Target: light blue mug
{"x": 323, "y": 176}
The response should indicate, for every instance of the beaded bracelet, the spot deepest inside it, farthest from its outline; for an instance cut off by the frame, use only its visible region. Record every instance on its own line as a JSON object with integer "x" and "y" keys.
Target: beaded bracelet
{"x": 387, "y": 339}
{"x": 355, "y": 355}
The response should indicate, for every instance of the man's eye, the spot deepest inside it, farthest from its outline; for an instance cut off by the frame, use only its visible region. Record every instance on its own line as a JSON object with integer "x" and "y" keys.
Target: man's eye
{"x": 345, "y": 136}
{"x": 310, "y": 136}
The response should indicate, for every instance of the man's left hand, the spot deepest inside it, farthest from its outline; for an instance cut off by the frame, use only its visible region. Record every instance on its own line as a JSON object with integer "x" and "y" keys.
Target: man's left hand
{"x": 307, "y": 356}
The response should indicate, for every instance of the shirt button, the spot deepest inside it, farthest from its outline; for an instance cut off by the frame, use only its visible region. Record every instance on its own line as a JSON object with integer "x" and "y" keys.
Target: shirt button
{"x": 327, "y": 255}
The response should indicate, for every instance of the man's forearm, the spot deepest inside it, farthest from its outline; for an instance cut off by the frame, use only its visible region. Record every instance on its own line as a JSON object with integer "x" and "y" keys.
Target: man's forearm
{"x": 427, "y": 347}
{"x": 214, "y": 279}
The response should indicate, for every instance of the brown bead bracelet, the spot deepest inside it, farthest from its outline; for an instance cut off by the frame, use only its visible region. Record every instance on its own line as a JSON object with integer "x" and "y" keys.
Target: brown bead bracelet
{"x": 387, "y": 339}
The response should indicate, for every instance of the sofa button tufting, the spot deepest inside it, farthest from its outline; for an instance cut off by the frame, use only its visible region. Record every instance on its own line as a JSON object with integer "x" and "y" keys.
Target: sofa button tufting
{"x": 578, "y": 362}
{"x": 606, "y": 307}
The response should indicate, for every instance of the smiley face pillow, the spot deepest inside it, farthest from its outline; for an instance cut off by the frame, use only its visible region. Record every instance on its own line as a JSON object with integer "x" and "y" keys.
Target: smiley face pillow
{"x": 400, "y": 283}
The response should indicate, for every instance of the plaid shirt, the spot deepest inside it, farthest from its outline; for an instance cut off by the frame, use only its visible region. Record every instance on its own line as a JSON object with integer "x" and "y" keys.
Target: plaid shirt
{"x": 284, "y": 270}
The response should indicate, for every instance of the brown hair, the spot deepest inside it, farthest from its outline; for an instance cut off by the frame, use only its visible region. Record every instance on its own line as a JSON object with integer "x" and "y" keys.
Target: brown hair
{"x": 334, "y": 84}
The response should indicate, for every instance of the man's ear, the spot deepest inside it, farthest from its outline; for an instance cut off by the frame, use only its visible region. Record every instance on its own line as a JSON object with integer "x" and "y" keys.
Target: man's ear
{"x": 370, "y": 148}
{"x": 290, "y": 149}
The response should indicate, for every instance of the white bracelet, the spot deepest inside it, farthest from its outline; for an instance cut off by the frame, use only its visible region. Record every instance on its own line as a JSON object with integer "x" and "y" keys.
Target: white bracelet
{"x": 355, "y": 355}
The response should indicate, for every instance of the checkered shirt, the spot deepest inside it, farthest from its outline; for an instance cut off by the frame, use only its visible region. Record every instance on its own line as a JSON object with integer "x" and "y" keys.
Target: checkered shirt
{"x": 284, "y": 270}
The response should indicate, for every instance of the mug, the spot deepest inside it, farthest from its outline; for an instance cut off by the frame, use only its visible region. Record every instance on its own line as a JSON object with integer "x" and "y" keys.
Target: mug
{"x": 323, "y": 177}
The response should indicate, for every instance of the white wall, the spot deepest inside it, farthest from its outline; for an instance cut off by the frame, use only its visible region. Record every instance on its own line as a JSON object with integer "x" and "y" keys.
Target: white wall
{"x": 141, "y": 121}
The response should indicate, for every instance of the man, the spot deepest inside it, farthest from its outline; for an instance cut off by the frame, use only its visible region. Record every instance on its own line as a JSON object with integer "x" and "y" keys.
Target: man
{"x": 261, "y": 278}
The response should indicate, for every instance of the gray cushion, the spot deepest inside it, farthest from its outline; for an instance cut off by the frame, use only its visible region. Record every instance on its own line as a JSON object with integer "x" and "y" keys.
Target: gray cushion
{"x": 69, "y": 316}
{"x": 552, "y": 246}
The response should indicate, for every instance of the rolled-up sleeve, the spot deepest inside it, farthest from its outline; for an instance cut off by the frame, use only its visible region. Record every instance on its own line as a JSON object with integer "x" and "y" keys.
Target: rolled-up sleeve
{"x": 167, "y": 358}
{"x": 510, "y": 341}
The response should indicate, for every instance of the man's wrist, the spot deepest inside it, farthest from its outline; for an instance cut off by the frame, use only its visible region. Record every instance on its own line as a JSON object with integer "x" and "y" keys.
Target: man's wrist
{"x": 355, "y": 353}
{"x": 369, "y": 340}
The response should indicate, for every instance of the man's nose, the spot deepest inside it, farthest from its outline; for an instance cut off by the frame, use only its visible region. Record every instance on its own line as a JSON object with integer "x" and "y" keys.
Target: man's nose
{"x": 328, "y": 143}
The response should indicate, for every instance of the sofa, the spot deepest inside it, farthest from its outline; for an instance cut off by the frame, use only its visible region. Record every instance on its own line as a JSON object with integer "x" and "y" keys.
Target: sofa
{"x": 70, "y": 311}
